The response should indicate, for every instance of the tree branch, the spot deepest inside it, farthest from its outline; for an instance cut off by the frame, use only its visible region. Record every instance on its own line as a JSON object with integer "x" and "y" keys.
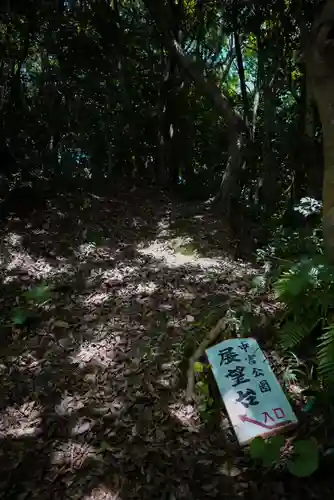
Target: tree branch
{"x": 207, "y": 86}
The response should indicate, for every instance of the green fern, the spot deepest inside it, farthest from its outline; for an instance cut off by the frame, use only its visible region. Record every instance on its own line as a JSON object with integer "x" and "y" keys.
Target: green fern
{"x": 293, "y": 332}
{"x": 323, "y": 303}
{"x": 296, "y": 281}
{"x": 289, "y": 376}
{"x": 307, "y": 290}
{"x": 290, "y": 284}
{"x": 326, "y": 354}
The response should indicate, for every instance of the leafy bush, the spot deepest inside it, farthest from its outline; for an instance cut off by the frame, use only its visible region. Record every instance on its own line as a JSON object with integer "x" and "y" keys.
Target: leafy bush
{"x": 295, "y": 232}
{"x": 307, "y": 290}
{"x": 301, "y": 459}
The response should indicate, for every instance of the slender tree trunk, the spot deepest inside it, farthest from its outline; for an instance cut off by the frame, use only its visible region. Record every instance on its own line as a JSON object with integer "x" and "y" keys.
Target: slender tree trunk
{"x": 241, "y": 73}
{"x": 172, "y": 101}
{"x": 133, "y": 154}
{"x": 237, "y": 126}
{"x": 164, "y": 126}
{"x": 269, "y": 158}
{"x": 227, "y": 193}
{"x": 319, "y": 59}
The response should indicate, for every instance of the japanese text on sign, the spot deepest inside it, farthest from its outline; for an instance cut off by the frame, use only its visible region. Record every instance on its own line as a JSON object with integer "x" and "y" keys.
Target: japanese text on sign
{"x": 252, "y": 395}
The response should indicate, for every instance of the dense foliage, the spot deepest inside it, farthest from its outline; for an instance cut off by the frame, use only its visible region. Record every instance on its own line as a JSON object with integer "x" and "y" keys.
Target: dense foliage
{"x": 137, "y": 113}
{"x": 228, "y": 104}
{"x": 307, "y": 290}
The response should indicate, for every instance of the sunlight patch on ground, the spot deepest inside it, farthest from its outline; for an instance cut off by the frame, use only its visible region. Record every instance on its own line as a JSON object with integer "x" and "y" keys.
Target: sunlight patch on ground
{"x": 184, "y": 294}
{"x": 97, "y": 298}
{"x": 186, "y": 415}
{"x": 139, "y": 289}
{"x": 19, "y": 262}
{"x": 71, "y": 454}
{"x": 118, "y": 274}
{"x": 146, "y": 288}
{"x": 13, "y": 239}
{"x": 166, "y": 254}
{"x": 175, "y": 259}
{"x": 101, "y": 493}
{"x": 69, "y": 405}
{"x": 169, "y": 375}
{"x": 21, "y": 421}
{"x": 25, "y": 263}
{"x": 163, "y": 226}
{"x": 110, "y": 281}
{"x": 100, "y": 353}
{"x": 86, "y": 249}
{"x": 172, "y": 258}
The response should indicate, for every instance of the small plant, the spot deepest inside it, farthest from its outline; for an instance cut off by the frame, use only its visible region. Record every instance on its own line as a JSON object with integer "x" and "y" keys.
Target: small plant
{"x": 301, "y": 458}
{"x": 31, "y": 300}
{"x": 19, "y": 316}
{"x": 294, "y": 231}
{"x": 206, "y": 401}
{"x": 38, "y": 294}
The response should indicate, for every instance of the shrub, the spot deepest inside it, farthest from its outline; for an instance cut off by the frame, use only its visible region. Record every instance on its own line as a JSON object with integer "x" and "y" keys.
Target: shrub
{"x": 307, "y": 290}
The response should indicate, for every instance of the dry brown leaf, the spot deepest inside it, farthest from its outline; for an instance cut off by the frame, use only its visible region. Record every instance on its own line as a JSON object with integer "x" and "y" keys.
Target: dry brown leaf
{"x": 59, "y": 323}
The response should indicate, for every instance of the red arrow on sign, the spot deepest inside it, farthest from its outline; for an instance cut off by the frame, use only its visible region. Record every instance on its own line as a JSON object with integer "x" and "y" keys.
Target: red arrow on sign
{"x": 244, "y": 418}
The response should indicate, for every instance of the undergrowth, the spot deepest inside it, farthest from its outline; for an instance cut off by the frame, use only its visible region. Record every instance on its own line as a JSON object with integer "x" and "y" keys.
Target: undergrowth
{"x": 301, "y": 280}
{"x": 296, "y": 270}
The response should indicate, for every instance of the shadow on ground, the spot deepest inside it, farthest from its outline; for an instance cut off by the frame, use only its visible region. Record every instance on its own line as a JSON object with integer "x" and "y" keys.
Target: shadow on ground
{"x": 92, "y": 404}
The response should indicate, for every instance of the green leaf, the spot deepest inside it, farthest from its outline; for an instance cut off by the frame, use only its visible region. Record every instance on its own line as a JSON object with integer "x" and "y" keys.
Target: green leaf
{"x": 202, "y": 407}
{"x": 39, "y": 293}
{"x": 295, "y": 281}
{"x": 257, "y": 447}
{"x": 309, "y": 405}
{"x": 273, "y": 451}
{"x": 258, "y": 283}
{"x": 203, "y": 387}
{"x": 277, "y": 441}
{"x": 19, "y": 316}
{"x": 268, "y": 452}
{"x": 306, "y": 459}
{"x": 198, "y": 367}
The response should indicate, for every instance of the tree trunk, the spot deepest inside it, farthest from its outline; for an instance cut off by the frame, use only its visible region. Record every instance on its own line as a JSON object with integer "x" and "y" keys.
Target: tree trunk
{"x": 319, "y": 60}
{"x": 241, "y": 72}
{"x": 269, "y": 189}
{"x": 237, "y": 126}
{"x": 166, "y": 125}
{"x": 227, "y": 193}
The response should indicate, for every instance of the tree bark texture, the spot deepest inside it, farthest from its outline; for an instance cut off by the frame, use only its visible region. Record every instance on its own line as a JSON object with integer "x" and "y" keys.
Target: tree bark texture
{"x": 319, "y": 60}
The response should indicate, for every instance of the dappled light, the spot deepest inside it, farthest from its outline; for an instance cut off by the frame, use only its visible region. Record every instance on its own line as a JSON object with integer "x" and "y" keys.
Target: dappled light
{"x": 21, "y": 421}
{"x": 187, "y": 416}
{"x": 97, "y": 380}
{"x": 166, "y": 250}
{"x": 96, "y": 352}
{"x": 103, "y": 357}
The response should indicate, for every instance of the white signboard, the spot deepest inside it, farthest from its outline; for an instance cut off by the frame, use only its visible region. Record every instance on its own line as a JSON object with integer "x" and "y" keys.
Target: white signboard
{"x": 254, "y": 400}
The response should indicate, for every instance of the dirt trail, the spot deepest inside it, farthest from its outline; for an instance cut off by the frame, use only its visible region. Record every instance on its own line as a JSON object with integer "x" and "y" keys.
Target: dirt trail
{"x": 92, "y": 393}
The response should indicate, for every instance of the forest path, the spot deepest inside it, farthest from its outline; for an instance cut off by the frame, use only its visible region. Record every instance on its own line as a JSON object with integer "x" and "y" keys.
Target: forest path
{"x": 92, "y": 393}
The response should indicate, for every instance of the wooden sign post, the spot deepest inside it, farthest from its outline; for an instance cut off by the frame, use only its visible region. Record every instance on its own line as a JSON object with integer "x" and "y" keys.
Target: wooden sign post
{"x": 253, "y": 397}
